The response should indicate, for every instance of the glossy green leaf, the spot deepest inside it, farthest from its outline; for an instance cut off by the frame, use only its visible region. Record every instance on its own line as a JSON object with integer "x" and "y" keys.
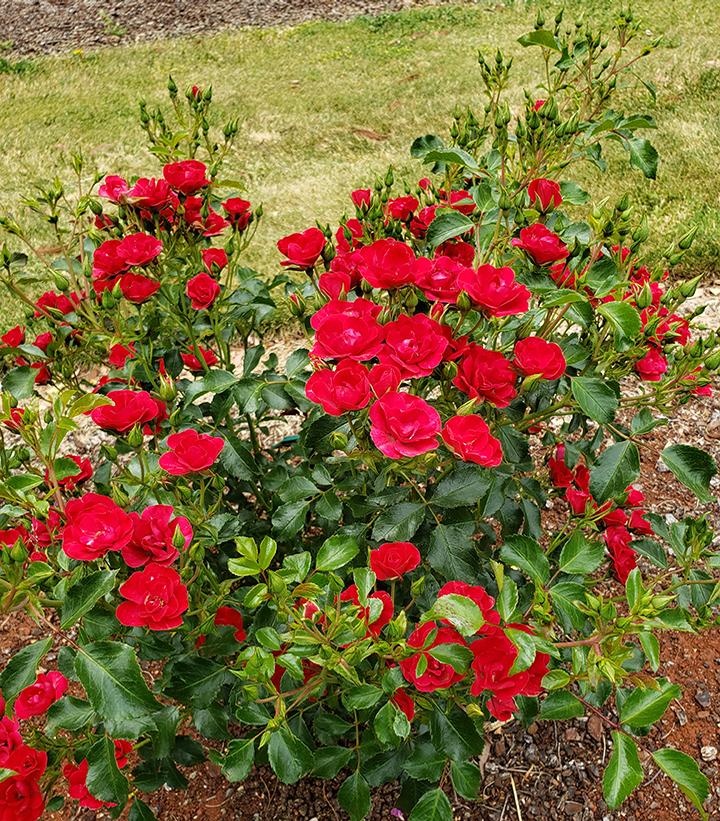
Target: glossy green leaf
{"x": 596, "y": 398}
{"x": 526, "y": 554}
{"x": 693, "y": 467}
{"x": 336, "y": 552}
{"x": 685, "y": 772}
{"x": 623, "y": 772}
{"x": 354, "y": 797}
{"x": 82, "y": 596}
{"x": 21, "y": 670}
{"x": 617, "y": 467}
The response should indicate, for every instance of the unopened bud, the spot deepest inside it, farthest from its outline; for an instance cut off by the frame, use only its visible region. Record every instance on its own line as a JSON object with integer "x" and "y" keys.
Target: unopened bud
{"x": 135, "y": 437}
{"x": 61, "y": 281}
{"x": 644, "y": 297}
{"x": 18, "y": 553}
{"x": 688, "y": 288}
{"x": 338, "y": 440}
{"x": 463, "y": 301}
{"x": 450, "y": 370}
{"x": 196, "y": 552}
{"x": 687, "y": 239}
{"x": 712, "y": 362}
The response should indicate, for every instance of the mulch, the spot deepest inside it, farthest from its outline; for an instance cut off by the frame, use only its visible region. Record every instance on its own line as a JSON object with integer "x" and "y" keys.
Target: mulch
{"x": 47, "y": 26}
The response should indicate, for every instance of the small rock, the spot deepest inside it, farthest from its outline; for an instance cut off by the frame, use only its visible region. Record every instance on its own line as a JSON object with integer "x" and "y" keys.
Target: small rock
{"x": 573, "y": 807}
{"x": 708, "y": 753}
{"x": 702, "y": 696}
{"x": 571, "y": 734}
{"x": 595, "y": 727}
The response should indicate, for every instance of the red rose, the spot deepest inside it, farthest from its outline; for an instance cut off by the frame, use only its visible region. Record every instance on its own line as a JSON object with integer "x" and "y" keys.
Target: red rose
{"x": 495, "y": 290}
{"x": 384, "y": 379}
{"x": 334, "y": 284}
{"x": 486, "y": 375}
{"x": 401, "y": 208}
{"x": 639, "y": 523}
{"x": 156, "y": 599}
{"x": 347, "y": 330}
{"x": 387, "y": 263}
{"x": 535, "y": 355}
{"x": 27, "y": 762}
{"x": 414, "y": 344}
{"x": 119, "y": 354}
{"x": 458, "y": 250}
{"x": 421, "y": 221}
{"x": 436, "y": 676}
{"x": 394, "y": 559}
{"x": 652, "y": 366}
{"x": 438, "y": 278}
{"x": 51, "y": 301}
{"x": 107, "y": 261}
{"x": 544, "y": 194}
{"x": 476, "y": 594}
{"x": 538, "y": 104}
{"x": 361, "y": 197}
{"x": 238, "y": 212}
{"x": 139, "y": 249}
{"x": 190, "y": 452}
{"x": 155, "y": 533}
{"x": 10, "y": 738}
{"x": 494, "y": 656}
{"x": 404, "y": 425}
{"x": 129, "y": 408}
{"x": 35, "y": 699}
{"x": 618, "y": 538}
{"x": 344, "y": 389}
{"x": 202, "y": 290}
{"x": 122, "y": 749}
{"x": 560, "y": 473}
{"x": 12, "y": 535}
{"x": 302, "y": 249}
{"x": 193, "y": 363}
{"x": 578, "y": 500}
{"x": 113, "y": 188}
{"x": 404, "y": 702}
{"x": 94, "y": 525}
{"x": 459, "y": 201}
{"x": 137, "y": 288}
{"x": 211, "y": 225}
{"x": 230, "y": 617}
{"x": 20, "y": 799}
{"x": 14, "y": 337}
{"x": 84, "y": 472}
{"x": 541, "y": 244}
{"x": 153, "y": 194}
{"x": 214, "y": 258}
{"x": 348, "y": 236}
{"x": 186, "y": 176}
{"x": 76, "y": 776}
{"x": 470, "y": 438}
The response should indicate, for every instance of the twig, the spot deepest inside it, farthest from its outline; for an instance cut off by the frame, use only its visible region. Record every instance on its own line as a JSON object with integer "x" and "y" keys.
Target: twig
{"x": 515, "y": 796}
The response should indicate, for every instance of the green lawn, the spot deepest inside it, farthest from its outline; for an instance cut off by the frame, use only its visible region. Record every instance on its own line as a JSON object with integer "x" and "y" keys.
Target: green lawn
{"x": 311, "y": 98}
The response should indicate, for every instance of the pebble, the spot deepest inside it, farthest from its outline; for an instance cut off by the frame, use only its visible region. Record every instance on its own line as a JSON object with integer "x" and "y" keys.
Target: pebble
{"x": 708, "y": 753}
{"x": 702, "y": 696}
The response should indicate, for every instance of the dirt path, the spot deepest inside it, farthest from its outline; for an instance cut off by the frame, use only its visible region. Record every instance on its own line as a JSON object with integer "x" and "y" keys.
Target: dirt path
{"x": 45, "y": 26}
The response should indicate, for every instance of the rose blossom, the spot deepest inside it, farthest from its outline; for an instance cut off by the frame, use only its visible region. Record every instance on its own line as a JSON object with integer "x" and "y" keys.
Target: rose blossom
{"x": 154, "y": 536}
{"x": 386, "y": 613}
{"x": 94, "y": 525}
{"x": 186, "y": 176}
{"x": 486, "y": 375}
{"x": 129, "y": 408}
{"x": 119, "y": 354}
{"x": 76, "y": 776}
{"x": 139, "y": 249}
{"x": 302, "y": 249}
{"x": 404, "y": 425}
{"x": 202, "y": 290}
{"x": 414, "y": 344}
{"x": 344, "y": 389}
{"x": 394, "y": 559}
{"x": 404, "y": 702}
{"x": 541, "y": 244}
{"x": 347, "y": 330}
{"x": 190, "y": 452}
{"x": 45, "y": 691}
{"x": 544, "y": 194}
{"x": 476, "y": 594}
{"x": 156, "y": 599}
{"x": 436, "y": 676}
{"x": 192, "y": 361}
{"x": 230, "y": 617}
{"x": 470, "y": 438}
{"x": 386, "y": 263}
{"x": 20, "y": 799}
{"x": 652, "y": 366}
{"x": 238, "y": 212}
{"x": 495, "y": 290}
{"x": 214, "y": 258}
{"x": 535, "y": 355}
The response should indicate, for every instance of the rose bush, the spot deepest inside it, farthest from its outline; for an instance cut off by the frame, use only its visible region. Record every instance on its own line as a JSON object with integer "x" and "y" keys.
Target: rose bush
{"x": 348, "y": 563}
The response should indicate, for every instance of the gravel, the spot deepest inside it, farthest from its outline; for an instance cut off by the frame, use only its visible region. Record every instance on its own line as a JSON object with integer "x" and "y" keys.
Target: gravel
{"x": 47, "y": 26}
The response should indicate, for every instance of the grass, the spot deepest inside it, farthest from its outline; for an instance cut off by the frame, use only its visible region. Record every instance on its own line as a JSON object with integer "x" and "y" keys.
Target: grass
{"x": 326, "y": 107}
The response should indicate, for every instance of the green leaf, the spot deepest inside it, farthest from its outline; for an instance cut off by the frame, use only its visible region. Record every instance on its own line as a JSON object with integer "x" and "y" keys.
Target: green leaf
{"x": 239, "y": 759}
{"x": 596, "y": 398}
{"x": 425, "y": 763}
{"x": 141, "y": 812}
{"x": 214, "y": 381}
{"x": 196, "y": 680}
{"x": 693, "y": 467}
{"x": 581, "y": 555}
{"x": 617, "y": 467}
{"x": 82, "y": 596}
{"x": 289, "y": 758}
{"x": 465, "y": 486}
{"x": 462, "y": 612}
{"x": 623, "y": 772}
{"x": 507, "y": 599}
{"x": 288, "y": 519}
{"x": 452, "y": 551}
{"x": 526, "y": 553}
{"x": 465, "y": 777}
{"x": 399, "y": 522}
{"x": 5, "y": 774}
{"x": 330, "y": 760}
{"x": 361, "y": 697}
{"x": 446, "y": 225}
{"x": 237, "y": 459}
{"x": 560, "y": 705}
{"x": 645, "y": 706}
{"x": 541, "y": 37}
{"x": 20, "y": 671}
{"x": 643, "y": 156}
{"x": 455, "y": 734}
{"x": 685, "y": 772}
{"x": 115, "y": 687}
{"x": 104, "y": 779}
{"x": 454, "y": 155}
{"x": 20, "y": 382}
{"x": 69, "y": 713}
{"x": 354, "y": 797}
{"x": 457, "y": 656}
{"x": 624, "y": 319}
{"x": 651, "y": 648}
{"x": 336, "y": 552}
{"x": 433, "y": 806}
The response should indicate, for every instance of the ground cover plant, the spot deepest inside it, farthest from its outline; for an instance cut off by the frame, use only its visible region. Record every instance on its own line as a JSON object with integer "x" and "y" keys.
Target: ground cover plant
{"x": 346, "y": 562}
